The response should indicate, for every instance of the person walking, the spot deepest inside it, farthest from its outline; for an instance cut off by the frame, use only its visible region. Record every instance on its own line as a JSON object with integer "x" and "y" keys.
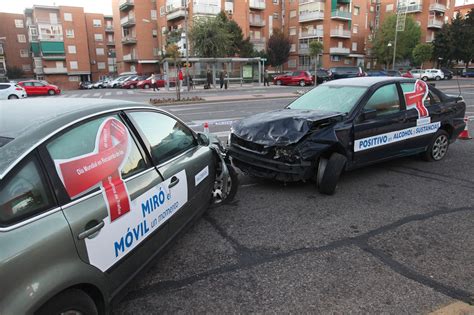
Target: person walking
{"x": 266, "y": 78}
{"x": 209, "y": 78}
{"x": 180, "y": 77}
{"x": 226, "y": 79}
{"x": 221, "y": 78}
{"x": 153, "y": 82}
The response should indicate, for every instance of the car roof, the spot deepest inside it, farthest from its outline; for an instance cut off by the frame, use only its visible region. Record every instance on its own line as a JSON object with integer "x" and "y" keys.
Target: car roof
{"x": 366, "y": 81}
{"x": 31, "y": 121}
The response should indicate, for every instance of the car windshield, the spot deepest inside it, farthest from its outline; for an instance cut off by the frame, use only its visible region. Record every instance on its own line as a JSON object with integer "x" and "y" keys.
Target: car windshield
{"x": 330, "y": 98}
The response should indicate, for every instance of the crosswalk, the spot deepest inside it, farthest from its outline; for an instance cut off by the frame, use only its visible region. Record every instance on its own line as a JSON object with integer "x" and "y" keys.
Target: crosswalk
{"x": 96, "y": 94}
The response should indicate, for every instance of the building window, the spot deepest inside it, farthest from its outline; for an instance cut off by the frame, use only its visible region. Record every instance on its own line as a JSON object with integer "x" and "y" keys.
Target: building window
{"x": 293, "y": 48}
{"x": 356, "y": 10}
{"x": 98, "y": 37}
{"x": 70, "y": 33}
{"x": 153, "y": 14}
{"x": 73, "y": 65}
{"x": 68, "y": 17}
{"x": 96, "y": 23}
{"x": 293, "y": 30}
{"x": 101, "y": 65}
{"x": 156, "y": 51}
{"x": 354, "y": 46}
{"x": 154, "y": 33}
{"x": 389, "y": 8}
{"x": 355, "y": 29}
{"x": 162, "y": 11}
{"x": 21, "y": 38}
{"x": 24, "y": 53}
{"x": 335, "y": 58}
{"x": 71, "y": 49}
{"x": 74, "y": 78}
{"x": 275, "y": 16}
{"x": 292, "y": 14}
{"x": 19, "y": 23}
{"x": 163, "y": 30}
{"x": 275, "y": 1}
{"x": 26, "y": 67}
{"x": 99, "y": 51}
{"x": 292, "y": 63}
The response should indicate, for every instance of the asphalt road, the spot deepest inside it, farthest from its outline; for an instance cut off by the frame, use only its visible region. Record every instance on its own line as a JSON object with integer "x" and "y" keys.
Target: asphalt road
{"x": 396, "y": 238}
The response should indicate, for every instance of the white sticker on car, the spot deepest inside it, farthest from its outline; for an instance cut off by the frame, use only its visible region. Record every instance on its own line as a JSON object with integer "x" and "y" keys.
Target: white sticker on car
{"x": 395, "y": 136}
{"x": 147, "y": 212}
{"x": 201, "y": 175}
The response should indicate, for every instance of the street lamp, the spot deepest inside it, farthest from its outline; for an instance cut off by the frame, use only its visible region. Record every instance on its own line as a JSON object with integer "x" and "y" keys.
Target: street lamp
{"x": 187, "y": 43}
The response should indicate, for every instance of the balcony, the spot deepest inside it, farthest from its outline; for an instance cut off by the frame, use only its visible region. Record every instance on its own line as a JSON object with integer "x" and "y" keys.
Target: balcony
{"x": 129, "y": 40}
{"x": 49, "y": 37}
{"x": 314, "y": 33}
{"x": 310, "y": 16}
{"x": 48, "y": 21}
{"x": 127, "y": 21}
{"x": 438, "y": 7}
{"x": 129, "y": 58}
{"x": 54, "y": 70}
{"x": 257, "y": 40}
{"x": 340, "y": 33}
{"x": 411, "y": 8}
{"x": 110, "y": 43}
{"x": 434, "y": 23}
{"x": 258, "y": 22}
{"x": 38, "y": 70}
{"x": 341, "y": 15}
{"x": 303, "y": 49}
{"x": 257, "y": 4}
{"x": 339, "y": 51}
{"x": 109, "y": 29}
{"x": 54, "y": 56}
{"x": 178, "y": 13}
{"x": 125, "y": 5}
{"x": 203, "y": 9}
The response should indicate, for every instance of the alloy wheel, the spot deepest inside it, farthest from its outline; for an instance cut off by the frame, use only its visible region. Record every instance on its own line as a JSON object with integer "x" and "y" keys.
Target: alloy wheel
{"x": 440, "y": 147}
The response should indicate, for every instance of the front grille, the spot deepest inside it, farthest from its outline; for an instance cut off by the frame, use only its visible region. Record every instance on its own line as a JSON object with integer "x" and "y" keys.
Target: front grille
{"x": 244, "y": 144}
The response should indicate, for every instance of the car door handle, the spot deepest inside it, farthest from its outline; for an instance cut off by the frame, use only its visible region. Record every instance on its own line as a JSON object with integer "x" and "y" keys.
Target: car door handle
{"x": 91, "y": 231}
{"x": 174, "y": 181}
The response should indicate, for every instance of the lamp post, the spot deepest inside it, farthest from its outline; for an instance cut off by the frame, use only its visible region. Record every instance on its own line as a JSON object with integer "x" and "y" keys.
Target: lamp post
{"x": 390, "y": 45}
{"x": 187, "y": 42}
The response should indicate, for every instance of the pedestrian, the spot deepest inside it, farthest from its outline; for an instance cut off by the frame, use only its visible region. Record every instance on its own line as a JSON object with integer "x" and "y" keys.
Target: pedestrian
{"x": 266, "y": 78}
{"x": 209, "y": 78}
{"x": 221, "y": 78}
{"x": 226, "y": 79}
{"x": 165, "y": 78}
{"x": 180, "y": 77}
{"x": 153, "y": 81}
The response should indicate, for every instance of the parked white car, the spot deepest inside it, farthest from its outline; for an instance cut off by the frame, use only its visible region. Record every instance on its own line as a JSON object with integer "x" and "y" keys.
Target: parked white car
{"x": 11, "y": 91}
{"x": 427, "y": 74}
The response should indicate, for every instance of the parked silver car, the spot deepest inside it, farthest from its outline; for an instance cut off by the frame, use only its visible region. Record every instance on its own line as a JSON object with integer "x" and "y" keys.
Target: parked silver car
{"x": 90, "y": 192}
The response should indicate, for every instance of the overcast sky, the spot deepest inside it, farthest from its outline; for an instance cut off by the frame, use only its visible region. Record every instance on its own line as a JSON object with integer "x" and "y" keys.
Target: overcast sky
{"x": 91, "y": 6}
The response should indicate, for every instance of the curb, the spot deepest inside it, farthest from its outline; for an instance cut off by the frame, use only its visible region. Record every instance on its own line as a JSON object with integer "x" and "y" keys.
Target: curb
{"x": 223, "y": 100}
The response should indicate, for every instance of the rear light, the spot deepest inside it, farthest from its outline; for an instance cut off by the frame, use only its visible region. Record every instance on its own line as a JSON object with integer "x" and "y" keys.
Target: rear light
{"x": 18, "y": 89}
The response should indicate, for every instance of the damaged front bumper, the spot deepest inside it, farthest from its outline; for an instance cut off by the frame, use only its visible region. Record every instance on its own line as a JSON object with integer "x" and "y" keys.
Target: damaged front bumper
{"x": 259, "y": 165}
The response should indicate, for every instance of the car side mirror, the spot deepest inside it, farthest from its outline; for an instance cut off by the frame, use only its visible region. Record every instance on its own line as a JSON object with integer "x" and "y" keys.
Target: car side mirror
{"x": 202, "y": 139}
{"x": 368, "y": 114}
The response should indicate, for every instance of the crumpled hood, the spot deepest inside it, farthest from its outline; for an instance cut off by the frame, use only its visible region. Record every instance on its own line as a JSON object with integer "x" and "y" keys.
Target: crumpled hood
{"x": 280, "y": 127}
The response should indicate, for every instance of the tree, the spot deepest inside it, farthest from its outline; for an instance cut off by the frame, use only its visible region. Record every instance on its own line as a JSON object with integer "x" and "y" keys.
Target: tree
{"x": 406, "y": 40}
{"x": 15, "y": 72}
{"x": 246, "y": 49}
{"x": 236, "y": 36}
{"x": 172, "y": 52}
{"x": 443, "y": 46}
{"x": 209, "y": 38}
{"x": 278, "y": 48}
{"x": 315, "y": 49}
{"x": 422, "y": 53}
{"x": 468, "y": 42}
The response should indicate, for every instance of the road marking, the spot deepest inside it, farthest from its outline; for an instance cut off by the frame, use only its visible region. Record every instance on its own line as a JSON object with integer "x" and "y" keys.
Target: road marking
{"x": 119, "y": 93}
{"x": 96, "y": 94}
{"x": 108, "y": 93}
{"x": 456, "y": 308}
{"x": 130, "y": 92}
{"x": 74, "y": 95}
{"x": 85, "y": 95}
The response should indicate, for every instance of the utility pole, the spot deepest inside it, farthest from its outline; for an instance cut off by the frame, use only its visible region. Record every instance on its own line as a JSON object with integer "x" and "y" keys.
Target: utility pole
{"x": 400, "y": 26}
{"x": 187, "y": 42}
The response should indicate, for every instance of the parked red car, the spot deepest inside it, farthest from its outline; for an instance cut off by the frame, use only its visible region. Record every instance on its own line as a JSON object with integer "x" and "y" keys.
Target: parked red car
{"x": 407, "y": 74}
{"x": 35, "y": 87}
{"x": 301, "y": 78}
{"x": 160, "y": 82}
{"x": 132, "y": 84}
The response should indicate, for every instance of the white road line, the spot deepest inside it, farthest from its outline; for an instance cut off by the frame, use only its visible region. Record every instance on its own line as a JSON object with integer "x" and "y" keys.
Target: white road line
{"x": 119, "y": 93}
{"x": 130, "y": 92}
{"x": 96, "y": 94}
{"x": 108, "y": 93}
{"x": 221, "y": 134}
{"x": 74, "y": 95}
{"x": 85, "y": 95}
{"x": 62, "y": 95}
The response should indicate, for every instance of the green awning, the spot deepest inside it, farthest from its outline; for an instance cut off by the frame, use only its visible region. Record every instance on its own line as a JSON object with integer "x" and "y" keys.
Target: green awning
{"x": 35, "y": 48}
{"x": 52, "y": 47}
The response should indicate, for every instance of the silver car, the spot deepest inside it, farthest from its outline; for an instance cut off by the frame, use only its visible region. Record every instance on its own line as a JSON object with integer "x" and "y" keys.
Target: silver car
{"x": 90, "y": 192}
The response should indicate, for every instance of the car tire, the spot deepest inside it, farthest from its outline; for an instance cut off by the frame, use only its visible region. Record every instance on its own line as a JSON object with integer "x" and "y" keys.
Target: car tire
{"x": 438, "y": 78}
{"x": 329, "y": 171}
{"x": 424, "y": 79}
{"x": 438, "y": 147}
{"x": 51, "y": 92}
{"x": 132, "y": 86}
{"x": 233, "y": 181}
{"x": 302, "y": 83}
{"x": 278, "y": 82}
{"x": 69, "y": 301}
{"x": 13, "y": 97}
{"x": 147, "y": 86}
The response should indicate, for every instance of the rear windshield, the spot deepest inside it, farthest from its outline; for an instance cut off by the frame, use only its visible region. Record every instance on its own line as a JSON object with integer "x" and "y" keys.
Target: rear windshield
{"x": 4, "y": 140}
{"x": 330, "y": 98}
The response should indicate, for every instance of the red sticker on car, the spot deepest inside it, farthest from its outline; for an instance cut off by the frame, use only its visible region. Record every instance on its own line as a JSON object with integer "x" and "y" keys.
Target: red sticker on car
{"x": 416, "y": 98}
{"x": 101, "y": 167}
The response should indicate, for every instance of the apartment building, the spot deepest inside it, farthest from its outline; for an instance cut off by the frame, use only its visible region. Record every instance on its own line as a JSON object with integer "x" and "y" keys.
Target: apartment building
{"x": 101, "y": 42}
{"x": 15, "y": 49}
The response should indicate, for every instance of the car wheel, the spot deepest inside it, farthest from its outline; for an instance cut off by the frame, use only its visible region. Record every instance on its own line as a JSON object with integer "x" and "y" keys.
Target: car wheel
{"x": 218, "y": 189}
{"x": 51, "y": 92}
{"x": 13, "y": 97}
{"x": 147, "y": 86}
{"x": 132, "y": 86}
{"x": 329, "y": 171}
{"x": 438, "y": 147}
{"x": 302, "y": 83}
{"x": 72, "y": 301}
{"x": 438, "y": 78}
{"x": 278, "y": 82}
{"x": 424, "y": 79}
